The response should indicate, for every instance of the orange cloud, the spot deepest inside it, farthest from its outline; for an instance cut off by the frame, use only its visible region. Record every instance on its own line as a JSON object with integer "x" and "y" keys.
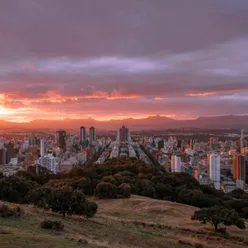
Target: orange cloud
{"x": 202, "y": 94}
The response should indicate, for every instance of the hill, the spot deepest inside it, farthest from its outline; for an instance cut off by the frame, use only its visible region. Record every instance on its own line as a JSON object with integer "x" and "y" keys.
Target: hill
{"x": 134, "y": 222}
{"x": 149, "y": 123}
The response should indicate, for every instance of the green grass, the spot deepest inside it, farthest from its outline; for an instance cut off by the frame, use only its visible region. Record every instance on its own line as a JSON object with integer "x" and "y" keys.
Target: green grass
{"x": 131, "y": 215}
{"x": 25, "y": 232}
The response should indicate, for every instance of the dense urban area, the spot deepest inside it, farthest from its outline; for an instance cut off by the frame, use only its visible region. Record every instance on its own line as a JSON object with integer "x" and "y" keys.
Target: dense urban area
{"x": 218, "y": 158}
{"x": 71, "y": 175}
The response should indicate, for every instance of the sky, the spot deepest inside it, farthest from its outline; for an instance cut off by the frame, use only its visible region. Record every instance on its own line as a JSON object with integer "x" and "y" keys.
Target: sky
{"x": 115, "y": 59}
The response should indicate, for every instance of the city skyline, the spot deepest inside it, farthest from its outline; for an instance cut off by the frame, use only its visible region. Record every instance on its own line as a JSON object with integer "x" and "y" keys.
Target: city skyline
{"x": 120, "y": 59}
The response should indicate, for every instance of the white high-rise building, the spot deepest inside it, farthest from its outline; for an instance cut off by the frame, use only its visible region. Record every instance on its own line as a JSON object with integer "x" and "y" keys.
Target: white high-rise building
{"x": 118, "y": 137}
{"x": 176, "y": 163}
{"x": 42, "y": 147}
{"x": 214, "y": 169}
{"x": 49, "y": 162}
{"x": 25, "y": 145}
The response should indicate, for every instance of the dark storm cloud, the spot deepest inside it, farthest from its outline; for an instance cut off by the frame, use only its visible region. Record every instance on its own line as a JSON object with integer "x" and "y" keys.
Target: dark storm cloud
{"x": 45, "y": 28}
{"x": 89, "y": 53}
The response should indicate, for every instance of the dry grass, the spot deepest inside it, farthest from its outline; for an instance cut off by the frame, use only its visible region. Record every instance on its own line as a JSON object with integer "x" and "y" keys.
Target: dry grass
{"x": 135, "y": 222}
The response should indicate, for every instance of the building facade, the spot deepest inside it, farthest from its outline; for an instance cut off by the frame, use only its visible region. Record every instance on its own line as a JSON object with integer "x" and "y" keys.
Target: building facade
{"x": 214, "y": 169}
{"x": 60, "y": 139}
{"x": 92, "y": 135}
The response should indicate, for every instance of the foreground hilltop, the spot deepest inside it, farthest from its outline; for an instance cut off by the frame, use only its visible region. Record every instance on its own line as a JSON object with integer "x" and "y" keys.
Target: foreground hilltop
{"x": 134, "y": 222}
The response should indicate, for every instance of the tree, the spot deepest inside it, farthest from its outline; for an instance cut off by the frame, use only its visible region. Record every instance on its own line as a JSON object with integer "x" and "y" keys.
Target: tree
{"x": 39, "y": 196}
{"x": 106, "y": 190}
{"x": 124, "y": 190}
{"x": 59, "y": 200}
{"x": 80, "y": 206}
{"x": 217, "y": 215}
{"x": 164, "y": 191}
{"x": 14, "y": 189}
{"x": 69, "y": 201}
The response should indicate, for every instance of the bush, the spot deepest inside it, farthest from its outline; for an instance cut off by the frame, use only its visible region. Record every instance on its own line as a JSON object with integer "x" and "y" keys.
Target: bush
{"x": 110, "y": 179}
{"x": 238, "y": 194}
{"x": 14, "y": 189}
{"x": 6, "y": 211}
{"x": 39, "y": 196}
{"x": 238, "y": 205}
{"x": 118, "y": 178}
{"x": 51, "y": 224}
{"x": 244, "y": 213}
{"x": 44, "y": 175}
{"x": 164, "y": 191}
{"x": 85, "y": 184}
{"x": 27, "y": 175}
{"x": 124, "y": 190}
{"x": 76, "y": 172}
{"x": 106, "y": 190}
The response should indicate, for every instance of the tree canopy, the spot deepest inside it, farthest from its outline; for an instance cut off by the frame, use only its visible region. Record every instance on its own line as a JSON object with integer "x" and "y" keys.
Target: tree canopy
{"x": 217, "y": 215}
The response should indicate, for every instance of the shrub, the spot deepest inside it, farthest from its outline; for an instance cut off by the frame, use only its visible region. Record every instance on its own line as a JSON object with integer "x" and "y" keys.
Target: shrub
{"x": 164, "y": 191}
{"x": 118, "y": 178}
{"x": 238, "y": 194}
{"x": 146, "y": 188}
{"x": 14, "y": 189}
{"x": 85, "y": 184}
{"x": 110, "y": 179}
{"x": 106, "y": 190}
{"x": 27, "y": 175}
{"x": 6, "y": 211}
{"x": 238, "y": 205}
{"x": 124, "y": 190}
{"x": 44, "y": 175}
{"x": 76, "y": 172}
{"x": 39, "y": 196}
{"x": 244, "y": 213}
{"x": 51, "y": 224}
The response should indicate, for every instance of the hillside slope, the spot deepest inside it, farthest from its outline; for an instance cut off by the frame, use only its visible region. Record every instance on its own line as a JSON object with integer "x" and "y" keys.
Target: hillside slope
{"x": 135, "y": 222}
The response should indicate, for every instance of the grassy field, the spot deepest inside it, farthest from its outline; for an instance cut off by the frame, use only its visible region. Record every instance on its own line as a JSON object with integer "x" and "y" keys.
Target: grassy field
{"x": 135, "y": 222}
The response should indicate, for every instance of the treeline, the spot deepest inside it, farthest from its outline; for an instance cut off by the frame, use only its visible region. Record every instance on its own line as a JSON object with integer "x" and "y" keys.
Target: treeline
{"x": 28, "y": 188}
{"x": 117, "y": 178}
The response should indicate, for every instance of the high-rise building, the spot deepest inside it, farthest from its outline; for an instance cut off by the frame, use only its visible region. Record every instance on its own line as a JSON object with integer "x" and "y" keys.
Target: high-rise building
{"x": 195, "y": 173}
{"x": 42, "y": 147}
{"x": 49, "y": 161}
{"x": 92, "y": 135}
{"x": 179, "y": 143}
{"x": 176, "y": 163}
{"x": 240, "y": 167}
{"x": 242, "y": 140}
{"x": 123, "y": 134}
{"x": 10, "y": 152}
{"x": 214, "y": 169}
{"x": 3, "y": 156}
{"x": 82, "y": 136}
{"x": 160, "y": 144}
{"x": 60, "y": 139}
{"x": 34, "y": 141}
{"x": 211, "y": 142}
{"x": 191, "y": 144}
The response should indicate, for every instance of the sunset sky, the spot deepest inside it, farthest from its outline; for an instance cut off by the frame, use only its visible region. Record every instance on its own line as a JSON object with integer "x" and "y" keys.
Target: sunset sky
{"x": 112, "y": 59}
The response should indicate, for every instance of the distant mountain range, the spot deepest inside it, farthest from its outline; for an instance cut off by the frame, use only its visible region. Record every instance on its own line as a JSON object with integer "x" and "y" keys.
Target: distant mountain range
{"x": 149, "y": 123}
